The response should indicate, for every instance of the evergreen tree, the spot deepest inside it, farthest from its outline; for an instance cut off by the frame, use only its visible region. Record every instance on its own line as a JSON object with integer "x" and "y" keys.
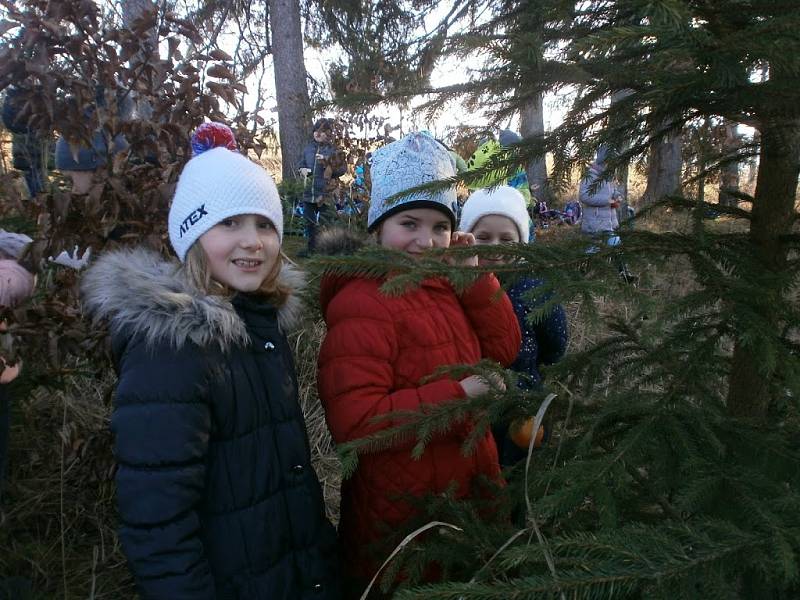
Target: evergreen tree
{"x": 673, "y": 471}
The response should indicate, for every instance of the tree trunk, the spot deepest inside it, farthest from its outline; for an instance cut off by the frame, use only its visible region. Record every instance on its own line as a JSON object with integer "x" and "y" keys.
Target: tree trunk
{"x": 133, "y": 10}
{"x": 729, "y": 177}
{"x": 663, "y": 169}
{"x": 752, "y": 163}
{"x": 290, "y": 81}
{"x": 622, "y": 172}
{"x": 772, "y": 217}
{"x": 531, "y": 125}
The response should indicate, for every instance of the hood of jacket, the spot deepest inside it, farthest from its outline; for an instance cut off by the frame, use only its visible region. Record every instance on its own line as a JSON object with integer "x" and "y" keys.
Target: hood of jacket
{"x": 337, "y": 241}
{"x": 138, "y": 292}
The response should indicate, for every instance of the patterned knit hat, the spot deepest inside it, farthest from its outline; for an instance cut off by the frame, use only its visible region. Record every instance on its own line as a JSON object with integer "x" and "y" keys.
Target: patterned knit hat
{"x": 218, "y": 183}
{"x": 503, "y": 200}
{"x": 414, "y": 160}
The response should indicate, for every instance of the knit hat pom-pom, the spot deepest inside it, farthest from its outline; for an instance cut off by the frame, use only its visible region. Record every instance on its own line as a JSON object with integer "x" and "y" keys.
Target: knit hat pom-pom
{"x": 212, "y": 135}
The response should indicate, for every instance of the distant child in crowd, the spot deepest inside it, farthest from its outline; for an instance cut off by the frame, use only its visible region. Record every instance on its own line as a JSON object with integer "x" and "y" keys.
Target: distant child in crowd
{"x": 321, "y": 165}
{"x": 499, "y": 216}
{"x": 379, "y": 348}
{"x": 600, "y": 200}
{"x": 216, "y": 493}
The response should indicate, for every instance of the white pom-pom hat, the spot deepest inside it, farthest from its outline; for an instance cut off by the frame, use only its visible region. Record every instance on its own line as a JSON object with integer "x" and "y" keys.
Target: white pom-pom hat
{"x": 218, "y": 183}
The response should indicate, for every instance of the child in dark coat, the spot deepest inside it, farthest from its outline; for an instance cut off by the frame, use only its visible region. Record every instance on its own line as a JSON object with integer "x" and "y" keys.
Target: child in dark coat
{"x": 499, "y": 216}
{"x": 321, "y": 164}
{"x": 216, "y": 493}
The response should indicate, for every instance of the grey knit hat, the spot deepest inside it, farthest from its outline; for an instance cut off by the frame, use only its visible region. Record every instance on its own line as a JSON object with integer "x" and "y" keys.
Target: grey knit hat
{"x": 412, "y": 161}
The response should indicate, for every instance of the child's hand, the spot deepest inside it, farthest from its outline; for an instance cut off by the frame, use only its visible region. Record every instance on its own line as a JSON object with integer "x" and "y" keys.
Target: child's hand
{"x": 462, "y": 238}
{"x": 9, "y": 373}
{"x": 474, "y": 385}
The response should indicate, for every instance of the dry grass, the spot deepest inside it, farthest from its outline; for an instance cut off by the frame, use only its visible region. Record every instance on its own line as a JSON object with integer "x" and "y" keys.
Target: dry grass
{"x": 59, "y": 519}
{"x": 306, "y": 344}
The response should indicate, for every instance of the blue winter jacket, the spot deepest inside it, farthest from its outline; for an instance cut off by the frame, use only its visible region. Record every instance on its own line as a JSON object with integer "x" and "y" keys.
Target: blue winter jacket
{"x": 543, "y": 343}
{"x": 216, "y": 493}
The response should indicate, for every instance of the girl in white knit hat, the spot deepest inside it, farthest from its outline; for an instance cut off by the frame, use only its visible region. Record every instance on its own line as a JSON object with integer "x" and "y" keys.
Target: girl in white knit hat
{"x": 499, "y": 216}
{"x": 216, "y": 493}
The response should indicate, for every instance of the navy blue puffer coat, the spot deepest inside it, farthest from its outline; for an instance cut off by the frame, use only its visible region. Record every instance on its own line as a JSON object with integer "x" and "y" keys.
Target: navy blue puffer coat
{"x": 544, "y": 342}
{"x": 216, "y": 493}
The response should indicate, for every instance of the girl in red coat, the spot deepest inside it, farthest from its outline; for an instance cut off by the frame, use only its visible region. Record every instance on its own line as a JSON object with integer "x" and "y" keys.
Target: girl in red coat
{"x": 378, "y": 349}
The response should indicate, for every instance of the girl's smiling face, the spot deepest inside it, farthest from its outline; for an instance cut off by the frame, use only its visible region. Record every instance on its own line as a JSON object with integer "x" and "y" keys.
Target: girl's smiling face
{"x": 415, "y": 230}
{"x": 493, "y": 230}
{"x": 241, "y": 251}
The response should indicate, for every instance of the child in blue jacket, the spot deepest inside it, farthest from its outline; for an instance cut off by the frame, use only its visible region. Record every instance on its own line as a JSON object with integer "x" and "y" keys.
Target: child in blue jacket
{"x": 499, "y": 216}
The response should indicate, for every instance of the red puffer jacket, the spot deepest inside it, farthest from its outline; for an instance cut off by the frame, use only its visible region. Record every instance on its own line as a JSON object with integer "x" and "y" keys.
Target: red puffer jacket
{"x": 377, "y": 350}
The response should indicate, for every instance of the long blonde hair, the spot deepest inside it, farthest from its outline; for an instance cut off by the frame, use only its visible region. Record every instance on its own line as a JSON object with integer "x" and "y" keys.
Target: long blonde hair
{"x": 197, "y": 273}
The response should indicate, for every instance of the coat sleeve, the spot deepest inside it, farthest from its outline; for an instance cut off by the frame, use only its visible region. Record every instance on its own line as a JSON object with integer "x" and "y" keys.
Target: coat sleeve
{"x": 355, "y": 371}
{"x": 552, "y": 335}
{"x": 161, "y": 422}
{"x": 492, "y": 316}
{"x": 550, "y": 332}
{"x": 603, "y": 192}
{"x": 303, "y": 162}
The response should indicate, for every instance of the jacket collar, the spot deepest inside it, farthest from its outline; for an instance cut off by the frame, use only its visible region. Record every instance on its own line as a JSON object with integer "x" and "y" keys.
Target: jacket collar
{"x": 138, "y": 292}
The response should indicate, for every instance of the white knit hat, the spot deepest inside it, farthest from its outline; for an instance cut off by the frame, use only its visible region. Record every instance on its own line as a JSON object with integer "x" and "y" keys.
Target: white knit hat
{"x": 503, "y": 200}
{"x": 416, "y": 159}
{"x": 218, "y": 183}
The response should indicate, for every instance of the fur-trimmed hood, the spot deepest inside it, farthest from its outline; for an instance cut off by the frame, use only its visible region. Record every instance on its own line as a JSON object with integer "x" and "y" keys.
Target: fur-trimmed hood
{"x": 337, "y": 241}
{"x": 139, "y": 292}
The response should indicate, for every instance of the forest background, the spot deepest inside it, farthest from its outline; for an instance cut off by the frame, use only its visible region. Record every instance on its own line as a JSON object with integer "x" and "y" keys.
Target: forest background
{"x": 673, "y": 465}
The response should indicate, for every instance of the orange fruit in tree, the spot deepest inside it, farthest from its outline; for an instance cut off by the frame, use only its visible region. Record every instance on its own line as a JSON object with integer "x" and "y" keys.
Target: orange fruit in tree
{"x": 521, "y": 430}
